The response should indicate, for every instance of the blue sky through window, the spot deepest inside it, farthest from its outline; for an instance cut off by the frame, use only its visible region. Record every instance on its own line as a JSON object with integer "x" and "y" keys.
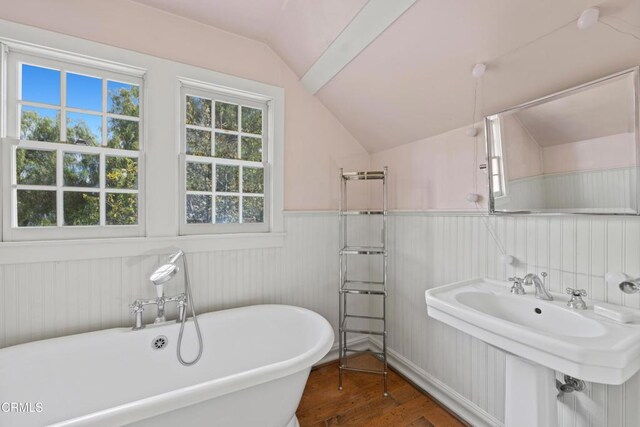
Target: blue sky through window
{"x": 40, "y": 84}
{"x": 84, "y": 92}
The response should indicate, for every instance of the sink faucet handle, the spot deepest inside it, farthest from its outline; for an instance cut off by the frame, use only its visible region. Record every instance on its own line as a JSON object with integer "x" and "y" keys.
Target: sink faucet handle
{"x": 517, "y": 288}
{"x": 577, "y": 292}
{"x": 544, "y": 278}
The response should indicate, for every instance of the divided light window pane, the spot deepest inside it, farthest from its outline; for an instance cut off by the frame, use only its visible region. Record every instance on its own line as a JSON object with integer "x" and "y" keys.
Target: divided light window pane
{"x": 198, "y": 142}
{"x": 41, "y": 85}
{"x": 198, "y": 111}
{"x": 81, "y": 208}
{"x": 123, "y": 134}
{"x": 39, "y": 124}
{"x": 36, "y": 208}
{"x": 122, "y": 208}
{"x": 92, "y": 178}
{"x": 84, "y": 129}
{"x": 81, "y": 170}
{"x": 35, "y": 167}
{"x": 225, "y": 183}
{"x": 84, "y": 92}
{"x": 123, "y": 99}
{"x": 122, "y": 172}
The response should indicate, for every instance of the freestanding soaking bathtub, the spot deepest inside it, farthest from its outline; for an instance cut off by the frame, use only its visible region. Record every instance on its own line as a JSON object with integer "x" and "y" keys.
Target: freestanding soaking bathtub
{"x": 253, "y": 370}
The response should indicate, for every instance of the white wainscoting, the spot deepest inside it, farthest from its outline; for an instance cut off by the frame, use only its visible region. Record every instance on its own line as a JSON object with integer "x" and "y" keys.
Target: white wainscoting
{"x": 426, "y": 250}
{"x": 595, "y": 190}
{"x": 44, "y": 300}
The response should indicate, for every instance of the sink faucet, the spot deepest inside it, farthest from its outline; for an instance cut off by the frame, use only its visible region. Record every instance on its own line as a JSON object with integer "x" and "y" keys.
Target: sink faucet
{"x": 541, "y": 292}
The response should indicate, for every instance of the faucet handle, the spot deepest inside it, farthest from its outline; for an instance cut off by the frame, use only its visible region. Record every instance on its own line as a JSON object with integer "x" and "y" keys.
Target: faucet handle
{"x": 136, "y": 307}
{"x": 577, "y": 292}
{"x": 517, "y": 288}
{"x": 544, "y": 278}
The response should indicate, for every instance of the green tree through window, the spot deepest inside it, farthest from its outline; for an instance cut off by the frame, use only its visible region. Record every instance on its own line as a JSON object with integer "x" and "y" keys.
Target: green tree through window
{"x": 38, "y": 167}
{"x": 224, "y": 179}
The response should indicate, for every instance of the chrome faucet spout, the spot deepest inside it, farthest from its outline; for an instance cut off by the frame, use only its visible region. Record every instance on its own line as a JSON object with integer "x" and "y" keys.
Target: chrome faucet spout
{"x": 541, "y": 291}
{"x": 160, "y": 317}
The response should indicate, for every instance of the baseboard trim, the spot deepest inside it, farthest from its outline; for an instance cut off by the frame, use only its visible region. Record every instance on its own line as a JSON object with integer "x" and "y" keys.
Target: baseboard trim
{"x": 450, "y": 398}
{"x": 454, "y": 401}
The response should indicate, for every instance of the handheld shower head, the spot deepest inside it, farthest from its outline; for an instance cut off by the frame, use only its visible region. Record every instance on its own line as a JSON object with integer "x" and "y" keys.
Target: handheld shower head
{"x": 165, "y": 272}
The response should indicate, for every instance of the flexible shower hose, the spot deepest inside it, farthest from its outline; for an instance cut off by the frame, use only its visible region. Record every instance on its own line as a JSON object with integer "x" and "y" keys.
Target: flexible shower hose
{"x": 183, "y": 320}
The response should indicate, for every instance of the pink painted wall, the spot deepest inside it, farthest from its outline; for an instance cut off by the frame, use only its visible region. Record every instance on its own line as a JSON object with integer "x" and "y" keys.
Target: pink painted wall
{"x": 614, "y": 151}
{"x": 525, "y": 157}
{"x": 316, "y": 143}
{"x": 435, "y": 173}
{"x": 522, "y": 153}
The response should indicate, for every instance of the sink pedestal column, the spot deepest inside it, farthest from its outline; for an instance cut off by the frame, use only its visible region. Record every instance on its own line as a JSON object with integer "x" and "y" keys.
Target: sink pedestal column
{"x": 530, "y": 394}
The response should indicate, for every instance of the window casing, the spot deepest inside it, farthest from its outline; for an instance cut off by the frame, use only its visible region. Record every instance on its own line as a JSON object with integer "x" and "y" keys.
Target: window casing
{"x": 159, "y": 157}
{"x": 86, "y": 181}
{"x": 497, "y": 164}
{"x": 225, "y": 180}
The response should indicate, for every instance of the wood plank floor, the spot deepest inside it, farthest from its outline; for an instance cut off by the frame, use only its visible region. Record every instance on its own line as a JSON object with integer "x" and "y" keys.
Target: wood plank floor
{"x": 361, "y": 402}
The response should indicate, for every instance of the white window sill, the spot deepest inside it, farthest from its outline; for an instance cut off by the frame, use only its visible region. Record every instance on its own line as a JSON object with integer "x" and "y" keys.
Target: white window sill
{"x": 65, "y": 250}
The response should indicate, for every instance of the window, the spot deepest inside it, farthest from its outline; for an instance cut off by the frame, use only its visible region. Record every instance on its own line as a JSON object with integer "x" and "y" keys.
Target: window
{"x": 497, "y": 166}
{"x": 225, "y": 172}
{"x": 74, "y": 156}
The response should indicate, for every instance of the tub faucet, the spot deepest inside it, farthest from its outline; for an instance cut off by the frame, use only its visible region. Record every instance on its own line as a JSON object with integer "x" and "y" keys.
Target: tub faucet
{"x": 137, "y": 308}
{"x": 541, "y": 292}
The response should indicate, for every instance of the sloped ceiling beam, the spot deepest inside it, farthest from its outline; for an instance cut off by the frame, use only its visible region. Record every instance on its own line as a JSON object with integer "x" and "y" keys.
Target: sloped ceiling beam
{"x": 375, "y": 17}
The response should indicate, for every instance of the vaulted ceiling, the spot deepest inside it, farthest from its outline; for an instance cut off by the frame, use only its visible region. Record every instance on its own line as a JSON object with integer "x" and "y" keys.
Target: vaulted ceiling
{"x": 413, "y": 81}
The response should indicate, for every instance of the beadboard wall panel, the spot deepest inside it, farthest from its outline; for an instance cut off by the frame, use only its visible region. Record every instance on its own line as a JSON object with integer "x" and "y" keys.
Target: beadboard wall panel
{"x": 606, "y": 190}
{"x": 45, "y": 300}
{"x": 426, "y": 250}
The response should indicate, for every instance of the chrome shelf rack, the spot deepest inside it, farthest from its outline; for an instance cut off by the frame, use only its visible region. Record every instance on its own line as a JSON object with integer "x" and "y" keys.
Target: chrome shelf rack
{"x": 376, "y": 288}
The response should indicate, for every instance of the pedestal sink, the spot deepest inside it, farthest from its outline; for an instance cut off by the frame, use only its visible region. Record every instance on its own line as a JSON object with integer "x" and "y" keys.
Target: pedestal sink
{"x": 539, "y": 337}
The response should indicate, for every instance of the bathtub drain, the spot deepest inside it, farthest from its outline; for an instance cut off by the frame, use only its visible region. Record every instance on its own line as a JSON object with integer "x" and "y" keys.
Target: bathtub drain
{"x": 159, "y": 342}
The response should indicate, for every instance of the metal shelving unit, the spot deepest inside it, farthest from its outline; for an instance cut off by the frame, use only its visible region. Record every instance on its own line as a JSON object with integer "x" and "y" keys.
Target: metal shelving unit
{"x": 376, "y": 289}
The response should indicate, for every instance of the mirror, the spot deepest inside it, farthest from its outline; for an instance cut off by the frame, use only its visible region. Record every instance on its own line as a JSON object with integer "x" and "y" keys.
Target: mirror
{"x": 576, "y": 151}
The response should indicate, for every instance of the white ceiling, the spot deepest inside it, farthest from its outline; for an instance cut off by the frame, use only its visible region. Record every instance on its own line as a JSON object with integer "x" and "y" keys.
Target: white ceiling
{"x": 414, "y": 80}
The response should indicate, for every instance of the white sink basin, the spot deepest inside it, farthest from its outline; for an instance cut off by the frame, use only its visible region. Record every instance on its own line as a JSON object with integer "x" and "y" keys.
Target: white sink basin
{"x": 579, "y": 343}
{"x": 549, "y": 318}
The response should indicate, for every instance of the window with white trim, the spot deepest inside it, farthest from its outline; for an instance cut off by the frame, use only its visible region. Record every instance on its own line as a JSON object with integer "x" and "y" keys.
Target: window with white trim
{"x": 497, "y": 165}
{"x": 224, "y": 167}
{"x": 74, "y": 150}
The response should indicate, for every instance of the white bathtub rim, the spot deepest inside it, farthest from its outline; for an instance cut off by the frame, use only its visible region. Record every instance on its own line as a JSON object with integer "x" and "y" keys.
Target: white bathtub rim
{"x": 144, "y": 408}
{"x": 6, "y": 351}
